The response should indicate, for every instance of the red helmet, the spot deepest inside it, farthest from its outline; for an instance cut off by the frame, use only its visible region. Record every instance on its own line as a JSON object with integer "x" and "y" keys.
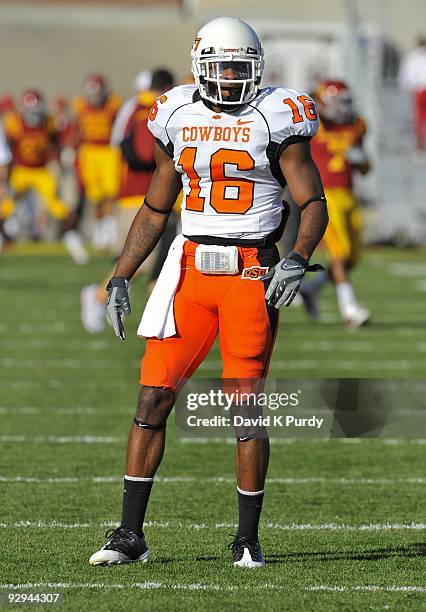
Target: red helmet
{"x": 7, "y": 103}
{"x": 334, "y": 101}
{"x": 60, "y": 103}
{"x": 95, "y": 89}
{"x": 32, "y": 107}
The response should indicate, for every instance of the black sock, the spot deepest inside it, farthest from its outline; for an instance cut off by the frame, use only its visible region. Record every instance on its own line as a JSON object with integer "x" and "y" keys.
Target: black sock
{"x": 249, "y": 507}
{"x": 135, "y": 500}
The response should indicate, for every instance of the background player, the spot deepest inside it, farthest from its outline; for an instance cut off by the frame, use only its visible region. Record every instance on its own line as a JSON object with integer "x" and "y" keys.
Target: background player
{"x": 338, "y": 152}
{"x": 98, "y": 163}
{"x": 136, "y": 170}
{"x": 6, "y": 203}
{"x": 33, "y": 140}
{"x": 230, "y": 146}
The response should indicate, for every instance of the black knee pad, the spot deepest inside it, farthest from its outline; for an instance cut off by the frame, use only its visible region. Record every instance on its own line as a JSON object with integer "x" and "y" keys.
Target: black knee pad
{"x": 137, "y": 421}
{"x": 253, "y": 434}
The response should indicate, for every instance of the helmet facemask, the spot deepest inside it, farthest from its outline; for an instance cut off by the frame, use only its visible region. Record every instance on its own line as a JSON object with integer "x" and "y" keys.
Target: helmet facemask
{"x": 95, "y": 91}
{"x": 335, "y": 104}
{"x": 33, "y": 109}
{"x": 228, "y": 79}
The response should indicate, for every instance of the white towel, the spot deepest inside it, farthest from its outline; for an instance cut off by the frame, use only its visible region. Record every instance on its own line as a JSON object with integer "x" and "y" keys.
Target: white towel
{"x": 158, "y": 319}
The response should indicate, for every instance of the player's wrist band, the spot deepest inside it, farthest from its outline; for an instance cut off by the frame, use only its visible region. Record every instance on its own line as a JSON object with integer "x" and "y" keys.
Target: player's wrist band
{"x": 157, "y": 210}
{"x": 117, "y": 281}
{"x": 317, "y": 198}
{"x": 298, "y": 259}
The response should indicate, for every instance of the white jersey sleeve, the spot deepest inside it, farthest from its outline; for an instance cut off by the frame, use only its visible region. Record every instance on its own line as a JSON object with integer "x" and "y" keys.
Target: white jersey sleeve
{"x": 5, "y": 153}
{"x": 290, "y": 114}
{"x": 121, "y": 120}
{"x": 163, "y": 109}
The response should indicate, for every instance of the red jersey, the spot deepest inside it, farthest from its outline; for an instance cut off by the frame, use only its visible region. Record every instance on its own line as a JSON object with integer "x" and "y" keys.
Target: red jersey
{"x": 329, "y": 149}
{"x": 95, "y": 122}
{"x": 137, "y": 150}
{"x": 31, "y": 146}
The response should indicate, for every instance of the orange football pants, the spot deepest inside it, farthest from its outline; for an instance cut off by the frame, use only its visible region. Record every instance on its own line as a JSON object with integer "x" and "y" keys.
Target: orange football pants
{"x": 205, "y": 305}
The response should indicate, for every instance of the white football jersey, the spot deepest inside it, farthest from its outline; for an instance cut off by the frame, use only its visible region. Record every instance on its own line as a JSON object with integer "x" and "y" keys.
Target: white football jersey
{"x": 232, "y": 183}
{"x": 5, "y": 154}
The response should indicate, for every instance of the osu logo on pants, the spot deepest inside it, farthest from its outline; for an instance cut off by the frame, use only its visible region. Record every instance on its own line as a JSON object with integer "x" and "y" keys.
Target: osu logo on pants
{"x": 254, "y": 272}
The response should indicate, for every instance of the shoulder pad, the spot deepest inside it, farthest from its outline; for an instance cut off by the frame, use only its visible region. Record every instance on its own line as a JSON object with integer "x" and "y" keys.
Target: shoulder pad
{"x": 361, "y": 126}
{"x": 78, "y": 104}
{"x": 50, "y": 124}
{"x": 12, "y": 124}
{"x": 164, "y": 107}
{"x": 288, "y": 112}
{"x": 114, "y": 102}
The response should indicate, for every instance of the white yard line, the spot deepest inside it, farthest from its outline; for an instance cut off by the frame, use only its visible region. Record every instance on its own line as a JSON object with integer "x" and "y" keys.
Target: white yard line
{"x": 70, "y": 363}
{"x": 64, "y": 439}
{"x": 56, "y": 383}
{"x": 281, "y": 441}
{"x": 120, "y": 439}
{"x": 366, "y": 587}
{"x": 40, "y": 524}
{"x": 407, "y": 269}
{"x": 53, "y": 410}
{"x": 298, "y": 364}
{"x": 37, "y": 343}
{"x": 197, "y": 586}
{"x": 218, "y": 480}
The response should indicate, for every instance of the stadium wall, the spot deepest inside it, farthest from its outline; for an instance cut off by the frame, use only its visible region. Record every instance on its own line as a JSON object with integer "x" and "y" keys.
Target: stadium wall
{"x": 53, "y": 44}
{"x": 55, "y": 47}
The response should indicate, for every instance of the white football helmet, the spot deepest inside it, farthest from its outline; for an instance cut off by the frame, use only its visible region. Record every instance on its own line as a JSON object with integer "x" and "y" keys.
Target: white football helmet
{"x": 227, "y": 61}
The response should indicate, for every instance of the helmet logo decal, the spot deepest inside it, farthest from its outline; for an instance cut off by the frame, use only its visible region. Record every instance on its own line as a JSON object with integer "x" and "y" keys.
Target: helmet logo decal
{"x": 196, "y": 44}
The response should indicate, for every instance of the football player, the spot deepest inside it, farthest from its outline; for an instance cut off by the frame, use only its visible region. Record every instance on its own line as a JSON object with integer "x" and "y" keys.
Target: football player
{"x": 231, "y": 146}
{"x": 338, "y": 152}
{"x": 98, "y": 163}
{"x": 7, "y": 206}
{"x": 33, "y": 140}
{"x": 137, "y": 167}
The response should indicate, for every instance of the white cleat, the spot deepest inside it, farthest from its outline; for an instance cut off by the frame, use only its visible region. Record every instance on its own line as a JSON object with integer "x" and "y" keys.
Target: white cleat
{"x": 92, "y": 310}
{"x": 115, "y": 557}
{"x": 356, "y": 316}
{"x": 247, "y": 553}
{"x": 123, "y": 546}
{"x": 75, "y": 247}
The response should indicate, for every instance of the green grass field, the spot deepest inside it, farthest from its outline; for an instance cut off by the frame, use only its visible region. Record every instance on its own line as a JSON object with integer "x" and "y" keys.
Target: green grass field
{"x": 342, "y": 522}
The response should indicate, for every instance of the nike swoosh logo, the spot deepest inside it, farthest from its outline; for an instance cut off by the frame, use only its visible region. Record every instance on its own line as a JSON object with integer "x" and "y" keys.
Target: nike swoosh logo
{"x": 241, "y": 122}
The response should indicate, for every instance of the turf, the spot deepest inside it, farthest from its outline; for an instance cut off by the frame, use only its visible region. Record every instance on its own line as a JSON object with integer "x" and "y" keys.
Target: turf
{"x": 341, "y": 520}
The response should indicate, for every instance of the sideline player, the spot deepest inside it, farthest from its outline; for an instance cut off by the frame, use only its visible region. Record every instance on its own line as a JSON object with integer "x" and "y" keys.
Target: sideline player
{"x": 137, "y": 167}
{"x": 6, "y": 203}
{"x": 230, "y": 144}
{"x": 33, "y": 141}
{"x": 338, "y": 152}
{"x": 98, "y": 163}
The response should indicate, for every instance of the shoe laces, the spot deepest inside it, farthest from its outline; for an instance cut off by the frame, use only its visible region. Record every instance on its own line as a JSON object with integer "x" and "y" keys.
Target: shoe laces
{"x": 113, "y": 532}
{"x": 251, "y": 543}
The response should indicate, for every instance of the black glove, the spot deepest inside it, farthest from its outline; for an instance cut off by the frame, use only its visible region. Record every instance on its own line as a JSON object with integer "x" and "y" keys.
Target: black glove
{"x": 287, "y": 277}
{"x": 118, "y": 303}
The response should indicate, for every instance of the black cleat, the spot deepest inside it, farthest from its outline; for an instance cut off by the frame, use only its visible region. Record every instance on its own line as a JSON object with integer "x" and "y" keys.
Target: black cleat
{"x": 246, "y": 552}
{"x": 123, "y": 546}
